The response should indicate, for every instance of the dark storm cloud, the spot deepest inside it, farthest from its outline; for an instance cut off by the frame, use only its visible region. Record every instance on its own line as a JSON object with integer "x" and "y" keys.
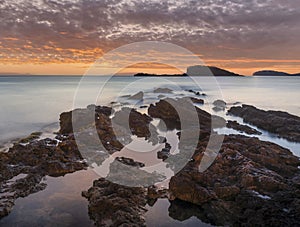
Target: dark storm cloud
{"x": 216, "y": 28}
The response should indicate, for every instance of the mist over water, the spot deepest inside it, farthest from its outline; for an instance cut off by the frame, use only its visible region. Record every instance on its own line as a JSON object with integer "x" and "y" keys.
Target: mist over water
{"x": 30, "y": 103}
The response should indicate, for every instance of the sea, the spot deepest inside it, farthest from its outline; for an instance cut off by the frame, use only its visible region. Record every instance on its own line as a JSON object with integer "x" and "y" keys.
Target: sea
{"x": 34, "y": 103}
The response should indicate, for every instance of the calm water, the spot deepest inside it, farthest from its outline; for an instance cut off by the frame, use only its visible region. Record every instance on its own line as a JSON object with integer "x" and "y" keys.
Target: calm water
{"x": 33, "y": 104}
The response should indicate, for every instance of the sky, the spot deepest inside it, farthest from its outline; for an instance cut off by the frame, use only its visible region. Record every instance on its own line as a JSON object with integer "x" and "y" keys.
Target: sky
{"x": 66, "y": 36}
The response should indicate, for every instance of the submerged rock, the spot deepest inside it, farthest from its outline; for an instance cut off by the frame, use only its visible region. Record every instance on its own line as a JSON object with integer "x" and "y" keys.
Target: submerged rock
{"x": 163, "y": 90}
{"x": 283, "y": 124}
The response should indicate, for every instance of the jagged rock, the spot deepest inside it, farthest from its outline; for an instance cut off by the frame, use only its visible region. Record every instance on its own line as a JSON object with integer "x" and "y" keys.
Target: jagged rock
{"x": 23, "y": 167}
{"x": 242, "y": 128}
{"x": 163, "y": 90}
{"x": 137, "y": 96}
{"x": 165, "y": 152}
{"x": 283, "y": 124}
{"x": 115, "y": 205}
{"x": 197, "y": 101}
{"x": 130, "y": 162}
{"x": 169, "y": 109}
{"x": 248, "y": 174}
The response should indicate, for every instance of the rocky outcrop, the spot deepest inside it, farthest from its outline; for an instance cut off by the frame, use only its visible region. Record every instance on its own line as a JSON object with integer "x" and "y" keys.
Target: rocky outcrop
{"x": 170, "y": 110}
{"x": 31, "y": 159}
{"x": 250, "y": 183}
{"x": 283, "y": 124}
{"x": 242, "y": 128}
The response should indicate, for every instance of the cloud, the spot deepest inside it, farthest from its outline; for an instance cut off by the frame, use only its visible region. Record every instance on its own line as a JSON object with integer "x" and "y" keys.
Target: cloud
{"x": 81, "y": 30}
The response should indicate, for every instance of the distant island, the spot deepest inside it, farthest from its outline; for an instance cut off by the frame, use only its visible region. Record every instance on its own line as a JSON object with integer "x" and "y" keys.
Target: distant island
{"x": 273, "y": 73}
{"x": 197, "y": 70}
{"x": 159, "y": 75}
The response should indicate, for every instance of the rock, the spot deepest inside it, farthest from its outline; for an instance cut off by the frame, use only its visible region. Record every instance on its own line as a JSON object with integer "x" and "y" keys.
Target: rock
{"x": 220, "y": 104}
{"x": 139, "y": 123}
{"x": 23, "y": 167}
{"x": 31, "y": 137}
{"x": 165, "y": 152}
{"x": 197, "y": 101}
{"x": 163, "y": 90}
{"x": 130, "y": 162}
{"x": 242, "y": 128}
{"x": 218, "y": 109}
{"x": 137, "y": 96}
{"x": 168, "y": 110}
{"x": 81, "y": 117}
{"x": 116, "y": 205}
{"x": 283, "y": 124}
{"x": 248, "y": 175}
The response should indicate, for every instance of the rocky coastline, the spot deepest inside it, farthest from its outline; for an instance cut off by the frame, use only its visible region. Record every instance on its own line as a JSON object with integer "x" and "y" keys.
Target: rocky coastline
{"x": 250, "y": 182}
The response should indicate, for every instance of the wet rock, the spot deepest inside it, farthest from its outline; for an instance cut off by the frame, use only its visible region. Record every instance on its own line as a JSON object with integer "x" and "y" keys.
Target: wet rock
{"x": 248, "y": 174}
{"x": 137, "y": 96}
{"x": 219, "y": 105}
{"x": 242, "y": 128}
{"x": 132, "y": 175}
{"x": 137, "y": 122}
{"x": 154, "y": 193}
{"x": 130, "y": 162}
{"x": 115, "y": 205}
{"x": 81, "y": 117}
{"x": 165, "y": 152}
{"x": 197, "y": 101}
{"x": 23, "y": 167}
{"x": 163, "y": 90}
{"x": 31, "y": 137}
{"x": 170, "y": 110}
{"x": 198, "y": 93}
{"x": 283, "y": 124}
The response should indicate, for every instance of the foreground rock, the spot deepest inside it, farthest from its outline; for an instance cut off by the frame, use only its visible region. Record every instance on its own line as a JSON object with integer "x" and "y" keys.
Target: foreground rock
{"x": 115, "y": 205}
{"x": 283, "y": 124}
{"x": 250, "y": 183}
{"x": 23, "y": 167}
